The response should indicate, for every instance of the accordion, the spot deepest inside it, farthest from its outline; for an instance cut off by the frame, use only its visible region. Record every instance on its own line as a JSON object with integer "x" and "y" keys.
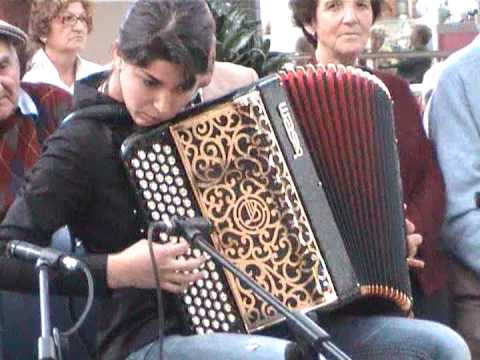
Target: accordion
{"x": 299, "y": 176}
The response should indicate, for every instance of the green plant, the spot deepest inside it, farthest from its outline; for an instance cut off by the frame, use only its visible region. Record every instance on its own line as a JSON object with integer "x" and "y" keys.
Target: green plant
{"x": 239, "y": 41}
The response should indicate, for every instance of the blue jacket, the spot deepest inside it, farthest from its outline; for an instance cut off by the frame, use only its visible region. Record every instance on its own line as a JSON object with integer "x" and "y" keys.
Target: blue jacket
{"x": 454, "y": 121}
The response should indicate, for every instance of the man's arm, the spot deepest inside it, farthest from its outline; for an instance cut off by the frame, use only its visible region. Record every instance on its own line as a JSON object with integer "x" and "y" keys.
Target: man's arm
{"x": 454, "y": 124}
{"x": 228, "y": 77}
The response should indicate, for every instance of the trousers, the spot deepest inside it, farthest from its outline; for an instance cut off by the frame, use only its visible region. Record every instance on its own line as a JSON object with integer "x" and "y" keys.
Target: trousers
{"x": 464, "y": 288}
{"x": 361, "y": 337}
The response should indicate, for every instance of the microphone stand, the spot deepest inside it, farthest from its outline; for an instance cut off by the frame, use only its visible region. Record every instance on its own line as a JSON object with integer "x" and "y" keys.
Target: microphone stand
{"x": 312, "y": 339}
{"x": 50, "y": 342}
{"x": 46, "y": 344}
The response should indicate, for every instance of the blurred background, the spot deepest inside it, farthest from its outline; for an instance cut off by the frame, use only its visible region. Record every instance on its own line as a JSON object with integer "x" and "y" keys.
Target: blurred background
{"x": 266, "y": 27}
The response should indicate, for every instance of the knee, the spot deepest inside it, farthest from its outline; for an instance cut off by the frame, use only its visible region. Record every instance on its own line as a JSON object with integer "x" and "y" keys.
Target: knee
{"x": 435, "y": 341}
{"x": 452, "y": 345}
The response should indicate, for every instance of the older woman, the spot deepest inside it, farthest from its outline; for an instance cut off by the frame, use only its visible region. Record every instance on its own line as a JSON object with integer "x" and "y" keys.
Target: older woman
{"x": 339, "y": 30}
{"x": 60, "y": 29}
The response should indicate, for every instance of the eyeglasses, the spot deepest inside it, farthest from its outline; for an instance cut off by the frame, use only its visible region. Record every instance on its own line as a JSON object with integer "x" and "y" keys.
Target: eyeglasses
{"x": 72, "y": 19}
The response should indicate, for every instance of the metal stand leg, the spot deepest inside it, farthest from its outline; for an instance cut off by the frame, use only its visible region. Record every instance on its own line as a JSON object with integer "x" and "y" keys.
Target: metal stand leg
{"x": 46, "y": 344}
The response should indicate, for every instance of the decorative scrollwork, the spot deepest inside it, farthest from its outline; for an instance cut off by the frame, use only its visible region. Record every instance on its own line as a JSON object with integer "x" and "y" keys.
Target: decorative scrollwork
{"x": 244, "y": 187}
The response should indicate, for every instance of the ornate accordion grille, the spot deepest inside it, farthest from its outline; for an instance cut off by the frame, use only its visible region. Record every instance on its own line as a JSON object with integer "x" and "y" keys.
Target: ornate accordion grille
{"x": 226, "y": 164}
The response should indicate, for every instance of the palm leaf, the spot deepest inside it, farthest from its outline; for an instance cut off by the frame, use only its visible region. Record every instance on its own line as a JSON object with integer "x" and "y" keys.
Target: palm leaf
{"x": 239, "y": 41}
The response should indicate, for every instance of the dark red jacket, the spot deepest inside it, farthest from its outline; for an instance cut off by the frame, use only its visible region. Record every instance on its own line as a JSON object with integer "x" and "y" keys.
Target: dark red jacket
{"x": 423, "y": 185}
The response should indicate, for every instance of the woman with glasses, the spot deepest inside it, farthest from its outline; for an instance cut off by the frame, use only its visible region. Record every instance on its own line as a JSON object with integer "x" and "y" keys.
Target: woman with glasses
{"x": 60, "y": 29}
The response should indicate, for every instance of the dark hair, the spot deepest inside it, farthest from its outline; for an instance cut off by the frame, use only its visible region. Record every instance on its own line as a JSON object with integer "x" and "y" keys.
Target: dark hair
{"x": 177, "y": 31}
{"x": 304, "y": 12}
{"x": 423, "y": 33}
{"x": 43, "y": 12}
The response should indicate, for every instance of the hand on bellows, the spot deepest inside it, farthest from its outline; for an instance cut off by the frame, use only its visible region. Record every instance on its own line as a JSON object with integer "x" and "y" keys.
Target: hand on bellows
{"x": 414, "y": 240}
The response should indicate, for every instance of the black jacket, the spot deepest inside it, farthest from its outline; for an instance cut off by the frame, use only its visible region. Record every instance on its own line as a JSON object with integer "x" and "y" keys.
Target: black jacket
{"x": 80, "y": 181}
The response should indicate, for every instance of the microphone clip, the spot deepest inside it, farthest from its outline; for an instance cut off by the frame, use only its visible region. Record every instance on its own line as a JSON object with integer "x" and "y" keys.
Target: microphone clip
{"x": 26, "y": 251}
{"x": 186, "y": 227}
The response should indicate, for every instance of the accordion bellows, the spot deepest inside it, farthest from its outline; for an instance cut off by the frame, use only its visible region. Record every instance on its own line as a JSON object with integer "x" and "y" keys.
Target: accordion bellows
{"x": 299, "y": 176}
{"x": 346, "y": 117}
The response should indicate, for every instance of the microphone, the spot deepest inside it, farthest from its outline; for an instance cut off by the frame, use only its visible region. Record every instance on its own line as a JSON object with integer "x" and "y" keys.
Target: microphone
{"x": 23, "y": 250}
{"x": 181, "y": 226}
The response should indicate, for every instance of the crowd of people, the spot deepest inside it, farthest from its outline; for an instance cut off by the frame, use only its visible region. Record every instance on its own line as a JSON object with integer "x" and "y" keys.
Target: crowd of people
{"x": 163, "y": 59}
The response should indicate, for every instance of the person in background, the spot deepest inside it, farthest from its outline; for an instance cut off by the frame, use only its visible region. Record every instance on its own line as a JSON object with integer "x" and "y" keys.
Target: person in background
{"x": 339, "y": 29}
{"x": 305, "y": 51}
{"x": 377, "y": 42}
{"x": 429, "y": 83}
{"x": 454, "y": 122}
{"x": 227, "y": 77}
{"x": 377, "y": 39}
{"x": 222, "y": 78}
{"x": 60, "y": 29}
{"x": 413, "y": 69}
{"x": 28, "y": 114}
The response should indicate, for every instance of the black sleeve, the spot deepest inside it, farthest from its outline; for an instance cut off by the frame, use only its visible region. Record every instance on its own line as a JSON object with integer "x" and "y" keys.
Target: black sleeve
{"x": 58, "y": 189}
